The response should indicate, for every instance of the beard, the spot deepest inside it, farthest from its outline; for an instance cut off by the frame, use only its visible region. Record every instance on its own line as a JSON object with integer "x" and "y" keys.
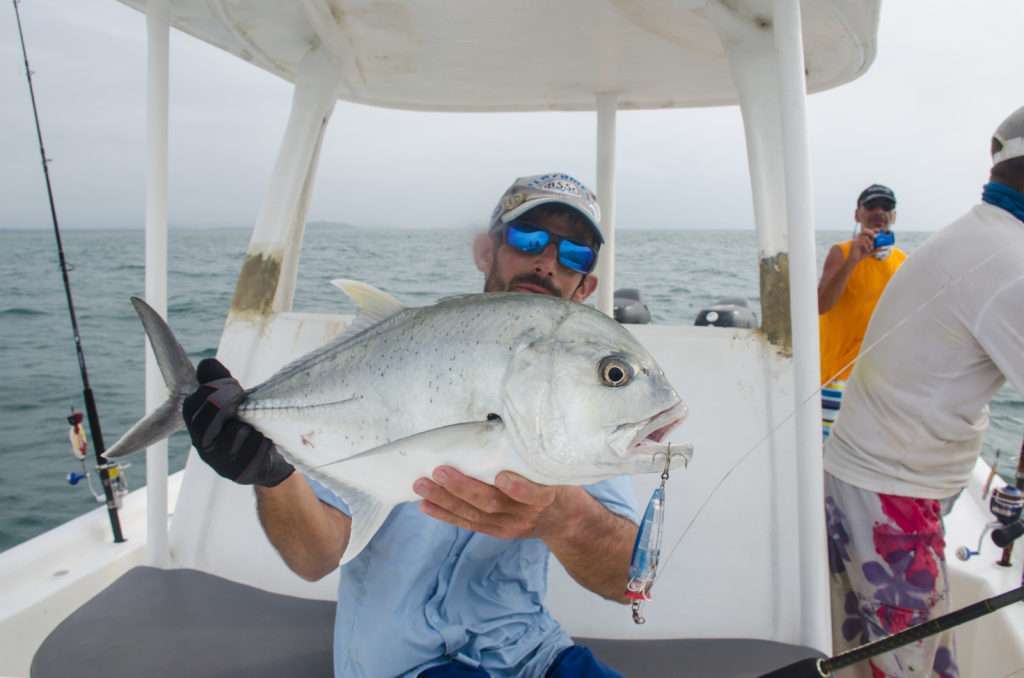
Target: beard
{"x": 495, "y": 283}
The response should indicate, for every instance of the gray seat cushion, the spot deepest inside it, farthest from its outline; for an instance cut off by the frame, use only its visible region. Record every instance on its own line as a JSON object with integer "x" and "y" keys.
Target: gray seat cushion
{"x": 697, "y": 658}
{"x": 153, "y": 622}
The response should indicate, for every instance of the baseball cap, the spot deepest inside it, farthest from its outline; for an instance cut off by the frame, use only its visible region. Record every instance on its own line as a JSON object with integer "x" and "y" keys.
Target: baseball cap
{"x": 1010, "y": 135}
{"x": 525, "y": 193}
{"x": 875, "y": 191}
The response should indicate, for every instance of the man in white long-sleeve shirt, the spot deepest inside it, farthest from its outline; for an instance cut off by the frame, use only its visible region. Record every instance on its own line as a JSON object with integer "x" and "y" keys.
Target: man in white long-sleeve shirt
{"x": 946, "y": 334}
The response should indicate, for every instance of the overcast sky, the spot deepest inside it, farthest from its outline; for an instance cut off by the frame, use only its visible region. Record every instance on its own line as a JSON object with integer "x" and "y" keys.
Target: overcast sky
{"x": 947, "y": 72}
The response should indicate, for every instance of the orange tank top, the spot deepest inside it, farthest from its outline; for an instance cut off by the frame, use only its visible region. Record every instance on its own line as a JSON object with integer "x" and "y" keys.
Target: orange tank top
{"x": 842, "y": 328}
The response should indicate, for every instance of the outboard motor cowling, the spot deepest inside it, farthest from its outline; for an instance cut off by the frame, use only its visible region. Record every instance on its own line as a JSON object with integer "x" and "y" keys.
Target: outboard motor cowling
{"x": 729, "y": 312}
{"x": 630, "y": 307}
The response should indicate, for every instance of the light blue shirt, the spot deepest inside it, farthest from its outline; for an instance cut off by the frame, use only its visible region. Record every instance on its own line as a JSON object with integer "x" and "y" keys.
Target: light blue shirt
{"x": 424, "y": 591}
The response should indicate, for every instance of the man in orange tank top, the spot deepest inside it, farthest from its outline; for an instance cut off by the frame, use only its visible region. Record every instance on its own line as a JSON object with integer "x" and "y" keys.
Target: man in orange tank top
{"x": 855, "y": 274}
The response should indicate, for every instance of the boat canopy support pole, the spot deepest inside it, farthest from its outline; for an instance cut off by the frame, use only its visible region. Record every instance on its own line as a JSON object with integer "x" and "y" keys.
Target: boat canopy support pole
{"x": 766, "y": 61}
{"x": 266, "y": 284}
{"x": 158, "y": 30}
{"x": 606, "y": 110}
{"x": 804, "y": 314}
{"x": 751, "y": 50}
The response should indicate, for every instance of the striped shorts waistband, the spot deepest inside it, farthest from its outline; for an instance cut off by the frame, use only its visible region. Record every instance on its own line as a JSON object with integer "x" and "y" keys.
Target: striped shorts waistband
{"x": 831, "y": 400}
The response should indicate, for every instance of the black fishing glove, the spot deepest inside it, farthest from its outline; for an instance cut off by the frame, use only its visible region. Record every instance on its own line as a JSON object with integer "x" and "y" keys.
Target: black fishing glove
{"x": 232, "y": 448}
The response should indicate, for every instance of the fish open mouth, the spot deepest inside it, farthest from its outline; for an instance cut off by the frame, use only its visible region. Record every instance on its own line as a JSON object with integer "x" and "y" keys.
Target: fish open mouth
{"x": 650, "y": 437}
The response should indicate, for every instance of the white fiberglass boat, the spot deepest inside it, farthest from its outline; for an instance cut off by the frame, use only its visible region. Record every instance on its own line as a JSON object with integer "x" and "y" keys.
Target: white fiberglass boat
{"x": 746, "y": 590}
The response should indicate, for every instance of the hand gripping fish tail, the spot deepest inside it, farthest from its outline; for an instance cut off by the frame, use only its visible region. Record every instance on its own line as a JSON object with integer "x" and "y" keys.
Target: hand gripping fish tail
{"x": 179, "y": 375}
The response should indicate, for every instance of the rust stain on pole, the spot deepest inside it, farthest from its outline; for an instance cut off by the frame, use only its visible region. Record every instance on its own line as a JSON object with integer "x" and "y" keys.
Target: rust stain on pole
{"x": 257, "y": 285}
{"x": 776, "y": 321}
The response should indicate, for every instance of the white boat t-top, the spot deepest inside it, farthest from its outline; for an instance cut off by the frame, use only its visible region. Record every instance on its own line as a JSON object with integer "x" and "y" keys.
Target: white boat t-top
{"x": 743, "y": 586}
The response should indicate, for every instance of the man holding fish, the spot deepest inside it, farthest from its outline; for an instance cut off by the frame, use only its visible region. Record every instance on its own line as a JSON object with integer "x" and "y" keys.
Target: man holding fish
{"x": 462, "y": 594}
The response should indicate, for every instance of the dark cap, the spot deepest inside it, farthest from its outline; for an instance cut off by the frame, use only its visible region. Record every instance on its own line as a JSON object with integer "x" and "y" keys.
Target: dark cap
{"x": 876, "y": 191}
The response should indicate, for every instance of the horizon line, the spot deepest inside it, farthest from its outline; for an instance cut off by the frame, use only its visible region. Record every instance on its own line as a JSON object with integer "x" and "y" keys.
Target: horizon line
{"x": 346, "y": 225}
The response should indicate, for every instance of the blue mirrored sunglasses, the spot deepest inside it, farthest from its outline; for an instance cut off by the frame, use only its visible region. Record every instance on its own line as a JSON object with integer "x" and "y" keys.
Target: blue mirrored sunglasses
{"x": 530, "y": 239}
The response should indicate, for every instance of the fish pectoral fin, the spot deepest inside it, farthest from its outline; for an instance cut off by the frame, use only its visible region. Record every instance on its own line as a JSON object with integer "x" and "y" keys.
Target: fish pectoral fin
{"x": 367, "y": 511}
{"x": 368, "y": 514}
{"x": 474, "y": 435}
{"x": 445, "y": 443}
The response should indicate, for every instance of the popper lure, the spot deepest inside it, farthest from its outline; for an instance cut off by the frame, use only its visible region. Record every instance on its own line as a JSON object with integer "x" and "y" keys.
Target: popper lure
{"x": 643, "y": 566}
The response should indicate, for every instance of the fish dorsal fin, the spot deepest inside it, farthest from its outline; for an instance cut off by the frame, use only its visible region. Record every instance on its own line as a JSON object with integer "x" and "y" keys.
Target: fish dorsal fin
{"x": 373, "y": 304}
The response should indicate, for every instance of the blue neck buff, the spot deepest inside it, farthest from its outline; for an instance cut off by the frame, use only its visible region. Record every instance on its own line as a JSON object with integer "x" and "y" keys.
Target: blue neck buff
{"x": 1001, "y": 195}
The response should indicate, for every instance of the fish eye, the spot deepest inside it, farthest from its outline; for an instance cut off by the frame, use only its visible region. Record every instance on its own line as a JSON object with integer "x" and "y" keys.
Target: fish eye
{"x": 615, "y": 371}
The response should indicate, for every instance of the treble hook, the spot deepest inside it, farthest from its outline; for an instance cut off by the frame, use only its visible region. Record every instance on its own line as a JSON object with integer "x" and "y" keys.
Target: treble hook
{"x": 685, "y": 453}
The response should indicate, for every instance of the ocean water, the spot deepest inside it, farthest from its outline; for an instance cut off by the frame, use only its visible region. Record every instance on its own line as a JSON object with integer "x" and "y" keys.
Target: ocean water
{"x": 679, "y": 272}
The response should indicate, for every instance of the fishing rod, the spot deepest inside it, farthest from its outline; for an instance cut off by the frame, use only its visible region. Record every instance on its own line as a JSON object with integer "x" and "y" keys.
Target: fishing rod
{"x": 821, "y": 668}
{"x": 102, "y": 464}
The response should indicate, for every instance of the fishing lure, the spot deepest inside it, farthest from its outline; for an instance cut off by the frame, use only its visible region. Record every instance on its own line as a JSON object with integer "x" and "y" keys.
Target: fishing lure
{"x": 643, "y": 565}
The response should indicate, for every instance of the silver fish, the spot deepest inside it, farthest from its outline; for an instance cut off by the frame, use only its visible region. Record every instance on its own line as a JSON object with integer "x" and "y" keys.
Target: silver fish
{"x": 553, "y": 390}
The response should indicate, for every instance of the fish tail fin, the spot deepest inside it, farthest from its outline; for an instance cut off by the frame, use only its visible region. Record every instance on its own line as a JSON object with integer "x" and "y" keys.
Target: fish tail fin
{"x": 179, "y": 376}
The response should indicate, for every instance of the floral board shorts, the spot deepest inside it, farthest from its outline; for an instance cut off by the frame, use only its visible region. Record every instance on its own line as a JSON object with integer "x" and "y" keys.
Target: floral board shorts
{"x": 887, "y": 568}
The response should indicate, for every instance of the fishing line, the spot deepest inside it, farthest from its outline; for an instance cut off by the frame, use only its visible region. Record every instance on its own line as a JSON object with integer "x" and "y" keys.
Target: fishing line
{"x": 817, "y": 394}
{"x": 90, "y": 402}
